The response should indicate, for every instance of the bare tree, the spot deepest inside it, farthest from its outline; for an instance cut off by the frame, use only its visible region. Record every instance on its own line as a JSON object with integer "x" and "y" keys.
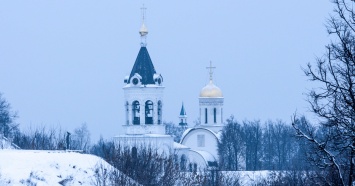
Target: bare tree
{"x": 40, "y": 138}
{"x": 253, "y": 150}
{"x": 334, "y": 101}
{"x": 231, "y": 146}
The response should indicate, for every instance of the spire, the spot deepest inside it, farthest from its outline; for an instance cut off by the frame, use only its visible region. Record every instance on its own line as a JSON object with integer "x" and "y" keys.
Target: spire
{"x": 182, "y": 112}
{"x": 143, "y": 31}
{"x": 211, "y": 71}
{"x": 144, "y": 67}
{"x": 183, "y": 116}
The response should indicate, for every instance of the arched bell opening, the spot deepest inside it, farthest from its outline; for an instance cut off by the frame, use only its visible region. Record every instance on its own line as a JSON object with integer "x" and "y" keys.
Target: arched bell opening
{"x": 149, "y": 112}
{"x": 135, "y": 113}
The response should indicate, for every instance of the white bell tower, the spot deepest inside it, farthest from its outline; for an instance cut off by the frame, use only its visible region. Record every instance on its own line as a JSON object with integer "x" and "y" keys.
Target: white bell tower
{"x": 143, "y": 93}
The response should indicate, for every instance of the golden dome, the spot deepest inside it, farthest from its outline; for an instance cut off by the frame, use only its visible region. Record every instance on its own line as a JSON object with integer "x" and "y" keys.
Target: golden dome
{"x": 211, "y": 91}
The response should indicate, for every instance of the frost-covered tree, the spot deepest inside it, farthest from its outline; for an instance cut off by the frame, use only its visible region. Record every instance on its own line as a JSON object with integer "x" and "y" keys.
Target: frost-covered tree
{"x": 175, "y": 131}
{"x": 7, "y": 118}
{"x": 80, "y": 139}
{"x": 334, "y": 101}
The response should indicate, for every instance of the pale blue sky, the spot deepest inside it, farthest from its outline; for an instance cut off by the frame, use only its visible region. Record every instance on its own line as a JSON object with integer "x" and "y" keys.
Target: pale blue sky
{"x": 63, "y": 62}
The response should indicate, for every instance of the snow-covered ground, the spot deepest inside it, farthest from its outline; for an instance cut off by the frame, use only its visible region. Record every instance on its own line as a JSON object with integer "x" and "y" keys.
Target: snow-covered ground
{"x": 28, "y": 167}
{"x": 249, "y": 177}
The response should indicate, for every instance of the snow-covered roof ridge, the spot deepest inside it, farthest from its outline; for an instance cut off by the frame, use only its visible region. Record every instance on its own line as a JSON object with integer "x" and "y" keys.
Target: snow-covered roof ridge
{"x": 180, "y": 146}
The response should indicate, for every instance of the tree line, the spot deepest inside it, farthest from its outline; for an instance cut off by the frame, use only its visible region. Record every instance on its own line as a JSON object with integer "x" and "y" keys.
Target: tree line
{"x": 253, "y": 146}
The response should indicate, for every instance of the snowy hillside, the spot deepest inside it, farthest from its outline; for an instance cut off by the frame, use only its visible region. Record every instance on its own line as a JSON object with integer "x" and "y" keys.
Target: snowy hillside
{"x": 25, "y": 167}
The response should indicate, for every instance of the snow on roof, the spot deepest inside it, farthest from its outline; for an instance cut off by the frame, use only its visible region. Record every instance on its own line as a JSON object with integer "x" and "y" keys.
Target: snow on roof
{"x": 187, "y": 131}
{"x": 180, "y": 146}
{"x": 206, "y": 156}
{"x": 21, "y": 167}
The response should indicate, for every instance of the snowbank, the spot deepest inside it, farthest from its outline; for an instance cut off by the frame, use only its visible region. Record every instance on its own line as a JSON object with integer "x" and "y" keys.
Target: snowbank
{"x": 27, "y": 167}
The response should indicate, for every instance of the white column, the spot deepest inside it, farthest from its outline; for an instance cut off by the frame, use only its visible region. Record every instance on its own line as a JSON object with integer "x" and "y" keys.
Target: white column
{"x": 142, "y": 112}
{"x": 129, "y": 114}
{"x": 155, "y": 113}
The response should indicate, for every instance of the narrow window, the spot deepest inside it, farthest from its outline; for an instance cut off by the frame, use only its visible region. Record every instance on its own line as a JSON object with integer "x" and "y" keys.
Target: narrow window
{"x": 206, "y": 115}
{"x": 200, "y": 140}
{"x": 159, "y": 112}
{"x": 215, "y": 115}
{"x": 148, "y": 112}
{"x": 135, "y": 113}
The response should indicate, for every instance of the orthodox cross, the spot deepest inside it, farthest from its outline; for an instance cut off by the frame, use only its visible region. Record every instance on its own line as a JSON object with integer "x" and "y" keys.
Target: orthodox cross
{"x": 143, "y": 9}
{"x": 211, "y": 70}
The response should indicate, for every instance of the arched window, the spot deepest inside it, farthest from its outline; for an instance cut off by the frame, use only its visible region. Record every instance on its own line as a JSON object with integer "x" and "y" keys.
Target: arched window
{"x": 148, "y": 112}
{"x": 159, "y": 112}
{"x": 135, "y": 113}
{"x": 206, "y": 121}
{"x": 215, "y": 115}
{"x": 183, "y": 162}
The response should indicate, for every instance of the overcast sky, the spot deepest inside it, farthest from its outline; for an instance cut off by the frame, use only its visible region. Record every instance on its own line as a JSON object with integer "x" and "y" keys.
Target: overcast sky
{"x": 64, "y": 62}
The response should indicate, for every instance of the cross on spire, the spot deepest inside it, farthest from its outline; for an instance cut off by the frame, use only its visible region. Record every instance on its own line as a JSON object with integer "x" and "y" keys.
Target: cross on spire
{"x": 143, "y": 30}
{"x": 211, "y": 70}
{"x": 143, "y": 9}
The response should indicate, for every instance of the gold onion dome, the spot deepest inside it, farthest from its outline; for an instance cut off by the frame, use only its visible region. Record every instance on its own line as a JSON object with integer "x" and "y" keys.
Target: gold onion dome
{"x": 211, "y": 91}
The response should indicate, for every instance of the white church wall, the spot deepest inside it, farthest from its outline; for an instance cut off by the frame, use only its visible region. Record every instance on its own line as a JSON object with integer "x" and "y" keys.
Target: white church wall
{"x": 202, "y": 140}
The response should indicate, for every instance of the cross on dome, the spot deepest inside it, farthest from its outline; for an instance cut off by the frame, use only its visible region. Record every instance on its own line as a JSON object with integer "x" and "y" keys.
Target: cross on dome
{"x": 211, "y": 70}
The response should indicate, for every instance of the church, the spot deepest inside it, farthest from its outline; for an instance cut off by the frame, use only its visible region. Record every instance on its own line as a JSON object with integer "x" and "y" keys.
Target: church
{"x": 144, "y": 110}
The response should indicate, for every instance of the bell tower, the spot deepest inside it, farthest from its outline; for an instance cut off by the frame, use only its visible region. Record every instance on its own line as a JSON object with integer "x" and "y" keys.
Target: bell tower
{"x": 143, "y": 93}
